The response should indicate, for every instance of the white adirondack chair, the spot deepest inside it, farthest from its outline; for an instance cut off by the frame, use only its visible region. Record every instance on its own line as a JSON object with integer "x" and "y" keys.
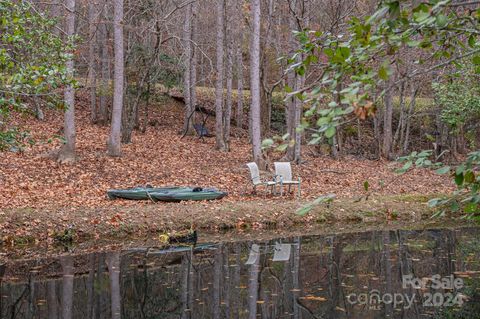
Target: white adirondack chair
{"x": 283, "y": 172}
{"x": 253, "y": 255}
{"x": 257, "y": 181}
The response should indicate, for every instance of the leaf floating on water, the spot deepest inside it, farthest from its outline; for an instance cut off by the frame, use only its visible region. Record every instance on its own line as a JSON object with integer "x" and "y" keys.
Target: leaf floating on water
{"x": 314, "y": 298}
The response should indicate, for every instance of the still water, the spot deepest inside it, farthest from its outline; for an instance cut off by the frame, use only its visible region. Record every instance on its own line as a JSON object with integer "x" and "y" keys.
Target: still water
{"x": 381, "y": 274}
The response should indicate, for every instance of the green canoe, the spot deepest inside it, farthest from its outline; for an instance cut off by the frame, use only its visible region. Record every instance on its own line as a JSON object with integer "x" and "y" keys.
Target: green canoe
{"x": 140, "y": 193}
{"x": 188, "y": 194}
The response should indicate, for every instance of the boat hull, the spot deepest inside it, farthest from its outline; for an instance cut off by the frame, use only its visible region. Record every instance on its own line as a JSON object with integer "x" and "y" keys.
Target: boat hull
{"x": 139, "y": 193}
{"x": 178, "y": 196}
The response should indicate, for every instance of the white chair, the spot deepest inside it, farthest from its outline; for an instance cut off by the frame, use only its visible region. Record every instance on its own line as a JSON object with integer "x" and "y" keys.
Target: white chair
{"x": 283, "y": 173}
{"x": 282, "y": 252}
{"x": 253, "y": 255}
{"x": 256, "y": 180}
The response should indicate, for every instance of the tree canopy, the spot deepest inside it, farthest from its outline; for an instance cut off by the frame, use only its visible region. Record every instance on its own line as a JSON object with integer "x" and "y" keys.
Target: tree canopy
{"x": 32, "y": 62}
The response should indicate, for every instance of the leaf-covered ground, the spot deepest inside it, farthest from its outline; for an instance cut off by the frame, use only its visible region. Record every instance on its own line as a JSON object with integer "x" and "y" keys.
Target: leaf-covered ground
{"x": 32, "y": 181}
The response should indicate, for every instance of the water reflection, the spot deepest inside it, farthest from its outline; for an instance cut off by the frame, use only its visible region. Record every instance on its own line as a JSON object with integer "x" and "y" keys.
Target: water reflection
{"x": 339, "y": 276}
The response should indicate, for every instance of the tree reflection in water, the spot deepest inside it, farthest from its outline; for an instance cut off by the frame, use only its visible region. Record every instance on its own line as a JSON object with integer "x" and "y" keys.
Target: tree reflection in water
{"x": 318, "y": 279}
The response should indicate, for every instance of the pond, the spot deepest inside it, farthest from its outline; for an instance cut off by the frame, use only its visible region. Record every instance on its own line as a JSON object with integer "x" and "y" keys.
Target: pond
{"x": 431, "y": 273}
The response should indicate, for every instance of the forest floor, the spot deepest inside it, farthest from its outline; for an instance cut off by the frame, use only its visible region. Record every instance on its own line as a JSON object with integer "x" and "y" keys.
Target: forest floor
{"x": 40, "y": 198}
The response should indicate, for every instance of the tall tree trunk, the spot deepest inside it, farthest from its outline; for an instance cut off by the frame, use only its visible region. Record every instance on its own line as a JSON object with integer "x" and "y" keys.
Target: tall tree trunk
{"x": 239, "y": 67}
{"x": 185, "y": 271}
{"x": 229, "y": 75}
{"x": 195, "y": 52}
{"x": 401, "y": 118}
{"x": 266, "y": 96}
{"x": 255, "y": 83}
{"x": 296, "y": 278}
{"x": 92, "y": 75}
{"x": 253, "y": 285}
{"x": 67, "y": 152}
{"x": 67, "y": 286}
{"x": 217, "y": 282}
{"x": 298, "y": 117}
{"x": 52, "y": 303}
{"x": 387, "y": 119}
{"x": 100, "y": 295}
{"x": 105, "y": 70}
{"x": 292, "y": 83}
{"x": 408, "y": 117}
{"x": 90, "y": 286}
{"x": 113, "y": 263}
{"x": 187, "y": 74}
{"x": 114, "y": 146}
{"x": 220, "y": 143}
{"x": 388, "y": 271}
{"x": 236, "y": 282}
{"x": 227, "y": 283}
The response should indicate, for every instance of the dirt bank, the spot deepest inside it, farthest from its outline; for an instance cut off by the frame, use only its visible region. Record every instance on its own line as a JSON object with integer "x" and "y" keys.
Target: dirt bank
{"x": 26, "y": 225}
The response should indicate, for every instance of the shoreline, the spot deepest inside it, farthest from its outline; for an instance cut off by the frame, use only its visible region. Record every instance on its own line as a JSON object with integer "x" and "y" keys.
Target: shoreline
{"x": 28, "y": 227}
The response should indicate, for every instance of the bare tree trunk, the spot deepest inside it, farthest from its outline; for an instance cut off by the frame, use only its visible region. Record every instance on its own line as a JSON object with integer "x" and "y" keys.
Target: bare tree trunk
{"x": 239, "y": 58}
{"x": 99, "y": 279}
{"x": 52, "y": 302}
{"x": 298, "y": 117}
{"x": 185, "y": 271}
{"x": 114, "y": 146}
{"x": 413, "y": 99}
{"x": 387, "y": 120}
{"x": 67, "y": 152}
{"x": 229, "y": 75}
{"x": 296, "y": 278}
{"x": 217, "y": 269}
{"x": 191, "y": 284}
{"x": 266, "y": 94}
{"x": 56, "y": 13}
{"x": 195, "y": 52}
{"x": 227, "y": 283}
{"x": 113, "y": 263}
{"x": 92, "y": 75}
{"x": 401, "y": 118}
{"x": 253, "y": 285}
{"x": 236, "y": 282}
{"x": 90, "y": 286}
{"x": 105, "y": 70}
{"x": 255, "y": 83}
{"x": 220, "y": 143}
{"x": 187, "y": 74}
{"x": 292, "y": 83}
{"x": 67, "y": 286}
{"x": 388, "y": 272}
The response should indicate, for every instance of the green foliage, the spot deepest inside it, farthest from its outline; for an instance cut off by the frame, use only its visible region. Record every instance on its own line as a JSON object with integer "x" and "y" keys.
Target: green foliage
{"x": 361, "y": 60}
{"x": 421, "y": 159}
{"x": 466, "y": 176}
{"x": 459, "y": 99}
{"x": 32, "y": 61}
{"x": 325, "y": 199}
{"x": 14, "y": 140}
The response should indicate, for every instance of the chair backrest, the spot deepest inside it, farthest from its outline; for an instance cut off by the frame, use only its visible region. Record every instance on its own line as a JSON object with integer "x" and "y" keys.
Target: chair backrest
{"x": 284, "y": 170}
{"x": 200, "y": 129}
{"x": 254, "y": 173}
